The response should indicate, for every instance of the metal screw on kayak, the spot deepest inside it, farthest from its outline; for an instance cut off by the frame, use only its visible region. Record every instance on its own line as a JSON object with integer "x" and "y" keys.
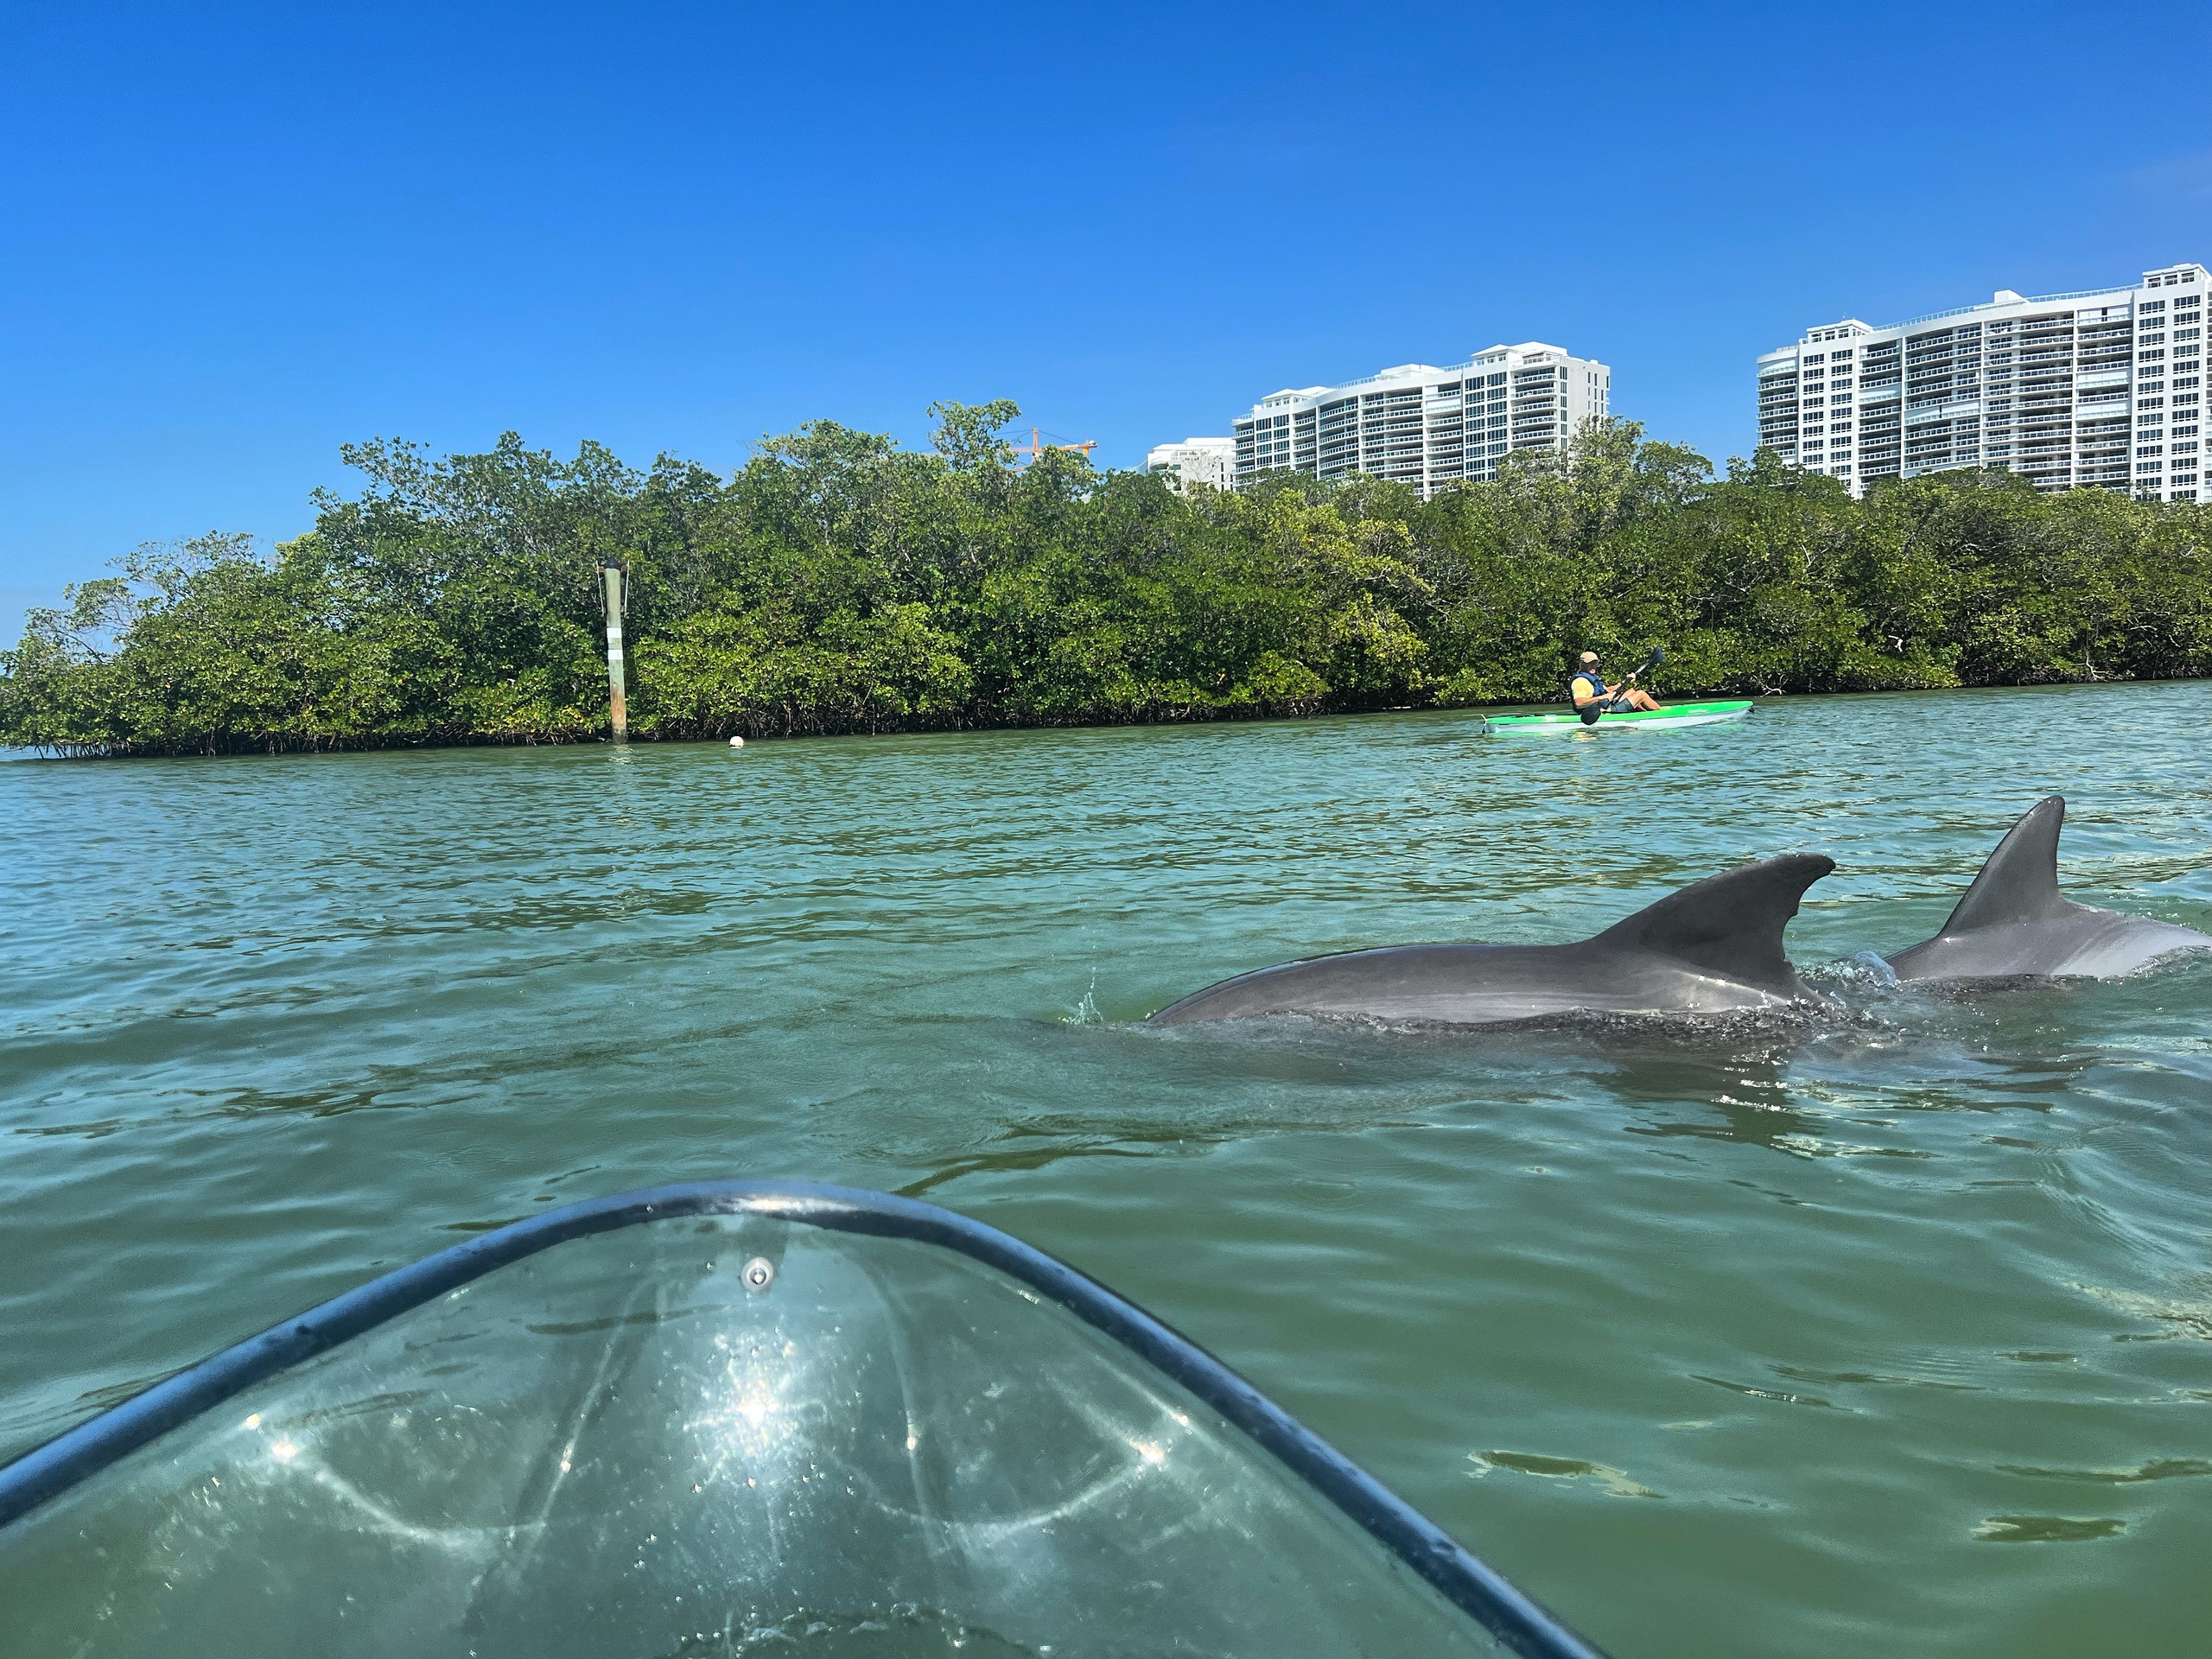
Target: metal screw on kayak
{"x": 758, "y": 1274}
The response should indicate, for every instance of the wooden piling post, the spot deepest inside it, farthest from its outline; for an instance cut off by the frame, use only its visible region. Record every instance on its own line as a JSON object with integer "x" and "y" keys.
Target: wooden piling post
{"x": 611, "y": 575}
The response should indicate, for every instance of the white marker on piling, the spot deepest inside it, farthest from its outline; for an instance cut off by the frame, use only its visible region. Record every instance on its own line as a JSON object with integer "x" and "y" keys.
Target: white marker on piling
{"x": 610, "y": 597}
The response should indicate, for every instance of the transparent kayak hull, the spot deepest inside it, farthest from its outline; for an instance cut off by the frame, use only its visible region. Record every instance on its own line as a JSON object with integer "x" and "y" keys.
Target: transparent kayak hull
{"x": 1654, "y": 720}
{"x": 720, "y": 1420}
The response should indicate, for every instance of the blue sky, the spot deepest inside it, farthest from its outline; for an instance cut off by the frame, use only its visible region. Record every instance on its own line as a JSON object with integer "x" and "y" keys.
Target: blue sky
{"x": 232, "y": 239}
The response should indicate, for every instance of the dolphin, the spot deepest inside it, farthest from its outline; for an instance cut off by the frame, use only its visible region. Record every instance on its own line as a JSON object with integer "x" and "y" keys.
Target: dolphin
{"x": 1713, "y": 947}
{"x": 2013, "y": 921}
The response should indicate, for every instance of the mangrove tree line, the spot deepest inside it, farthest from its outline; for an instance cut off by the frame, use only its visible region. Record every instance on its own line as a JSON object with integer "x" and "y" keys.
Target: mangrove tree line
{"x": 839, "y": 583}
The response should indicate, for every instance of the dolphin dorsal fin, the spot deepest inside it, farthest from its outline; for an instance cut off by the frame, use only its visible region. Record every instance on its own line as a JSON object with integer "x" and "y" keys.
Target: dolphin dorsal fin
{"x": 1729, "y": 924}
{"x": 2020, "y": 881}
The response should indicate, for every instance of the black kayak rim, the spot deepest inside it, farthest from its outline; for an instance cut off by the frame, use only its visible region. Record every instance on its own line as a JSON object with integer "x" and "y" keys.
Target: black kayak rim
{"x": 1469, "y": 1583}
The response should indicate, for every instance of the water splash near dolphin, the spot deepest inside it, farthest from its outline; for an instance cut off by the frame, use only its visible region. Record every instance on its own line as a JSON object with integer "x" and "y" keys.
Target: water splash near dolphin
{"x": 2014, "y": 922}
{"x": 1715, "y": 947}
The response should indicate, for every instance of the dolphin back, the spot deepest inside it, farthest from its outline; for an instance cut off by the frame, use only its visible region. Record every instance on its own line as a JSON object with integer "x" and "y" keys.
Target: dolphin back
{"x": 2020, "y": 881}
{"x": 1713, "y": 947}
{"x": 2014, "y": 922}
{"x": 1729, "y": 925}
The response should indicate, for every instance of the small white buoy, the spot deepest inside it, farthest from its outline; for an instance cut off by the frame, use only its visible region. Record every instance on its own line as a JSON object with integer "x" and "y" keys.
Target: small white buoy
{"x": 737, "y": 742}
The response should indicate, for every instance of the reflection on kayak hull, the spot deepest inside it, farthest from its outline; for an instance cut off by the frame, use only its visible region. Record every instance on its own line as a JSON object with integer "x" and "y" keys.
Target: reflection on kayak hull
{"x": 723, "y": 1420}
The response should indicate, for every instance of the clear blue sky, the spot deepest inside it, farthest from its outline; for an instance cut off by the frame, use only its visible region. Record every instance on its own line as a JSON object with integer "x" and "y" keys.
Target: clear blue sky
{"x": 232, "y": 239}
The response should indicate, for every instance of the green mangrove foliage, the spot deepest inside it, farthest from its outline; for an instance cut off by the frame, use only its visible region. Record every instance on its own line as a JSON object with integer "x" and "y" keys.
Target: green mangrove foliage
{"x": 839, "y": 584}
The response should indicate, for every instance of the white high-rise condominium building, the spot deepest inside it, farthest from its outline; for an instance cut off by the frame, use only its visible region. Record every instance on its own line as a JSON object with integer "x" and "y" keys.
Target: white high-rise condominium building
{"x": 1426, "y": 426}
{"x": 2101, "y": 387}
{"x": 1211, "y": 461}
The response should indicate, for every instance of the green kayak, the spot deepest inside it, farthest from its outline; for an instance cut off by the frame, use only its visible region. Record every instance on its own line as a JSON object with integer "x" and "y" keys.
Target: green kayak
{"x": 1682, "y": 713}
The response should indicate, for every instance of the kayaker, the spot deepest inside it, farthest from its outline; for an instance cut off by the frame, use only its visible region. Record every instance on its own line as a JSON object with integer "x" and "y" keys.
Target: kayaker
{"x": 1588, "y": 686}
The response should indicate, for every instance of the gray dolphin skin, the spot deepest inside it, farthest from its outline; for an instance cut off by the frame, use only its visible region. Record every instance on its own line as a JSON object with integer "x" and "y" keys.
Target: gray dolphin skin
{"x": 2014, "y": 922}
{"x": 1715, "y": 947}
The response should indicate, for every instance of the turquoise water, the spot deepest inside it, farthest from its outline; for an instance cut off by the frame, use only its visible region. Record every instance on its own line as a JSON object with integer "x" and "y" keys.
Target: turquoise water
{"x": 1885, "y": 1331}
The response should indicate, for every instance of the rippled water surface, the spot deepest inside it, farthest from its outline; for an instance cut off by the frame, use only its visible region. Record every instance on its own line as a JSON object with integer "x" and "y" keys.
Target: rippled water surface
{"x": 1888, "y": 1332}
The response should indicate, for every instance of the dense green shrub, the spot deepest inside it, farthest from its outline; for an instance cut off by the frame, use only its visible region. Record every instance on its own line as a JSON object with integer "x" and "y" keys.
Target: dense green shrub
{"x": 839, "y": 584}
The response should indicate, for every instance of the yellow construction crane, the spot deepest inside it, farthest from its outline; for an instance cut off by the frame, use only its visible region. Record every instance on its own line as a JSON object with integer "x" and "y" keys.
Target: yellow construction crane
{"x": 1036, "y": 447}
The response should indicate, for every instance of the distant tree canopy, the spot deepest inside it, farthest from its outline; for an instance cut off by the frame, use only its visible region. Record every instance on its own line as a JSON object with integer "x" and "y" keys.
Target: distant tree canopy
{"x": 839, "y": 584}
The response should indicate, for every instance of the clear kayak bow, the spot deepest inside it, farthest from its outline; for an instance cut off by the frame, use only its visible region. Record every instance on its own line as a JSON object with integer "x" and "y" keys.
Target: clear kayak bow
{"x": 723, "y": 1420}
